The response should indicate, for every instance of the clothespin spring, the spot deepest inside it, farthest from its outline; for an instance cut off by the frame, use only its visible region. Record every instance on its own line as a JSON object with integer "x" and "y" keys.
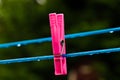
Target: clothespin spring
{"x": 62, "y": 43}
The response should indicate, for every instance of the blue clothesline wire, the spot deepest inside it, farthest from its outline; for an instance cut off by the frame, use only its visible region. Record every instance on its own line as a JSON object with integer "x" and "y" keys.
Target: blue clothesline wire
{"x": 48, "y": 39}
{"x": 39, "y": 58}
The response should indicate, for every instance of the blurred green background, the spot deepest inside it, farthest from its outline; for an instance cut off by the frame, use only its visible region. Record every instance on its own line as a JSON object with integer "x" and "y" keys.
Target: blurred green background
{"x": 28, "y": 19}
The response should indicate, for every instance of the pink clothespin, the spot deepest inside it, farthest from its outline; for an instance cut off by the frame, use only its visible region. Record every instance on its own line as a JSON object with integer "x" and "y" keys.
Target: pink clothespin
{"x": 58, "y": 43}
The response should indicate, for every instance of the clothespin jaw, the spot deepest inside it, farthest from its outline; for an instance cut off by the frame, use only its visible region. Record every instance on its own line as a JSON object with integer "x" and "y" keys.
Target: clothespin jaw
{"x": 58, "y": 43}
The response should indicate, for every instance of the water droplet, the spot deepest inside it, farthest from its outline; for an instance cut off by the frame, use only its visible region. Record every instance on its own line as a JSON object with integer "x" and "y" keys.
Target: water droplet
{"x": 18, "y": 45}
{"x": 38, "y": 60}
{"x": 41, "y": 2}
{"x": 19, "y": 61}
{"x": 111, "y": 32}
{"x": 7, "y": 62}
{"x": 107, "y": 52}
{"x": 97, "y": 53}
{"x": 91, "y": 54}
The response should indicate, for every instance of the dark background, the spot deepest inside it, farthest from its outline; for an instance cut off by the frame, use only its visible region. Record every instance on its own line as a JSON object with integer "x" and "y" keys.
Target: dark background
{"x": 28, "y": 19}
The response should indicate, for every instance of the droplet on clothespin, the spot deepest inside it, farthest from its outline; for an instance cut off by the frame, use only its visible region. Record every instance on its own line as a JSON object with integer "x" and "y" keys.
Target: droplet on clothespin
{"x": 111, "y": 32}
{"x": 18, "y": 45}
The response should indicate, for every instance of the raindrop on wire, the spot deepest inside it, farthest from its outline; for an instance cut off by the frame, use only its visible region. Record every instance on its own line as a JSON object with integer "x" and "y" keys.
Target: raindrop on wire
{"x": 91, "y": 54}
{"x": 7, "y": 62}
{"x": 111, "y": 32}
{"x": 97, "y": 53}
{"x": 18, "y": 45}
{"x": 38, "y": 60}
{"x": 108, "y": 52}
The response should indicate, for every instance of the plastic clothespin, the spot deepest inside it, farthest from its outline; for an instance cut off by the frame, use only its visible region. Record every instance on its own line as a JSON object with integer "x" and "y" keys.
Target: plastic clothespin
{"x": 58, "y": 43}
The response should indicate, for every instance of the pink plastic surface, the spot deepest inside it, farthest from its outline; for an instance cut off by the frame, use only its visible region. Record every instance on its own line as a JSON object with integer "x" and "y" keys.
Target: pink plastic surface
{"x": 57, "y": 32}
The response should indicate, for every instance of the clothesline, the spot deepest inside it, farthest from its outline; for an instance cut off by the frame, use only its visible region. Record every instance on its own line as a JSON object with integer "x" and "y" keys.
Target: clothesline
{"x": 39, "y": 58}
{"x": 68, "y": 36}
